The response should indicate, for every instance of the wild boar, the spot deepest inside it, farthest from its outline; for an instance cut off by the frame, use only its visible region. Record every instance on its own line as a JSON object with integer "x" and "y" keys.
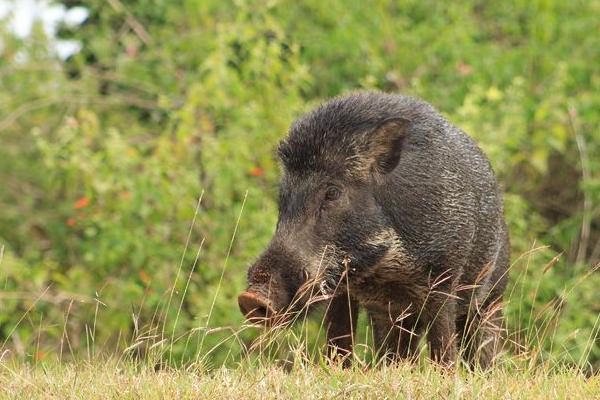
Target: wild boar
{"x": 385, "y": 205}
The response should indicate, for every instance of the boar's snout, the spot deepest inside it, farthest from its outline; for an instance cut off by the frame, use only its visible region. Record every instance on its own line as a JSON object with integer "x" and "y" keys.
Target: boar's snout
{"x": 255, "y": 307}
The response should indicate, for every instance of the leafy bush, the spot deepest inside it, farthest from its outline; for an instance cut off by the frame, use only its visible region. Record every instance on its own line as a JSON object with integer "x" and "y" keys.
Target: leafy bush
{"x": 105, "y": 156}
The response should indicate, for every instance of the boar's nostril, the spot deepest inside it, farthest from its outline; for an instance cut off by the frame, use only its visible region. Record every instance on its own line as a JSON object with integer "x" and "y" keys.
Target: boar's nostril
{"x": 254, "y": 307}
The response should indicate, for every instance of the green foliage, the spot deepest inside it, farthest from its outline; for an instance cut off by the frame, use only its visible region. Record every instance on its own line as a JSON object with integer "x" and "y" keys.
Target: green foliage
{"x": 103, "y": 157}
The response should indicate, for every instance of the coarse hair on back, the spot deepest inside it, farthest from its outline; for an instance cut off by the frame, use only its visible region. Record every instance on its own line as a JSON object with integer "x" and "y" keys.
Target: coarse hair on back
{"x": 330, "y": 137}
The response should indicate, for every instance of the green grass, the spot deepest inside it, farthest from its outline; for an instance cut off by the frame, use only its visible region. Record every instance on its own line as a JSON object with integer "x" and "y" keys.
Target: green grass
{"x": 107, "y": 380}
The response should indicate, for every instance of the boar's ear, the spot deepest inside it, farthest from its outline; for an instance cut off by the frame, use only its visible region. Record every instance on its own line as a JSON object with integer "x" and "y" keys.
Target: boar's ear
{"x": 385, "y": 144}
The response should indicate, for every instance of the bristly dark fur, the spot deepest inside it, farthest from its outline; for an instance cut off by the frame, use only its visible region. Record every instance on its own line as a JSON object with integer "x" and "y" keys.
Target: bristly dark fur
{"x": 386, "y": 205}
{"x": 329, "y": 138}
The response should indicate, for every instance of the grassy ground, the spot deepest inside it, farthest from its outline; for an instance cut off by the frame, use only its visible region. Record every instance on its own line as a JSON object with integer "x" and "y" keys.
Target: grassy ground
{"x": 127, "y": 381}
{"x": 288, "y": 363}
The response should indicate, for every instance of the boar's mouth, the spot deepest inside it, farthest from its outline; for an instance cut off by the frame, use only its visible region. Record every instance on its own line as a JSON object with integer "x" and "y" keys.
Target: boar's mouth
{"x": 255, "y": 307}
{"x": 258, "y": 310}
{"x": 276, "y": 297}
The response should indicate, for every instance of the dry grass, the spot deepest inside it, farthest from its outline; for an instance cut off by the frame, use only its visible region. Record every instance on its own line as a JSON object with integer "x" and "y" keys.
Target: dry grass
{"x": 107, "y": 380}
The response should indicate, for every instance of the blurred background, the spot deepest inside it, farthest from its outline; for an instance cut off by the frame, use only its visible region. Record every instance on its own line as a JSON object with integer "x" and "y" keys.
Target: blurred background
{"x": 117, "y": 116}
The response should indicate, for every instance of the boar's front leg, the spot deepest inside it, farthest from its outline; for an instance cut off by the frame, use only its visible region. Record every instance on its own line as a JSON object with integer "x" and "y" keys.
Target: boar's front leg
{"x": 340, "y": 319}
{"x": 441, "y": 334}
{"x": 396, "y": 336}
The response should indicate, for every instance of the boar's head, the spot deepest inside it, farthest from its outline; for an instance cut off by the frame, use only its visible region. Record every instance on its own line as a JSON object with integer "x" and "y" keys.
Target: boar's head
{"x": 332, "y": 222}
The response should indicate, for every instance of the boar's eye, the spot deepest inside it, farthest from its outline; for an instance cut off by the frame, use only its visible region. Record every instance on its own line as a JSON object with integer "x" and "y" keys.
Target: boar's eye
{"x": 332, "y": 193}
